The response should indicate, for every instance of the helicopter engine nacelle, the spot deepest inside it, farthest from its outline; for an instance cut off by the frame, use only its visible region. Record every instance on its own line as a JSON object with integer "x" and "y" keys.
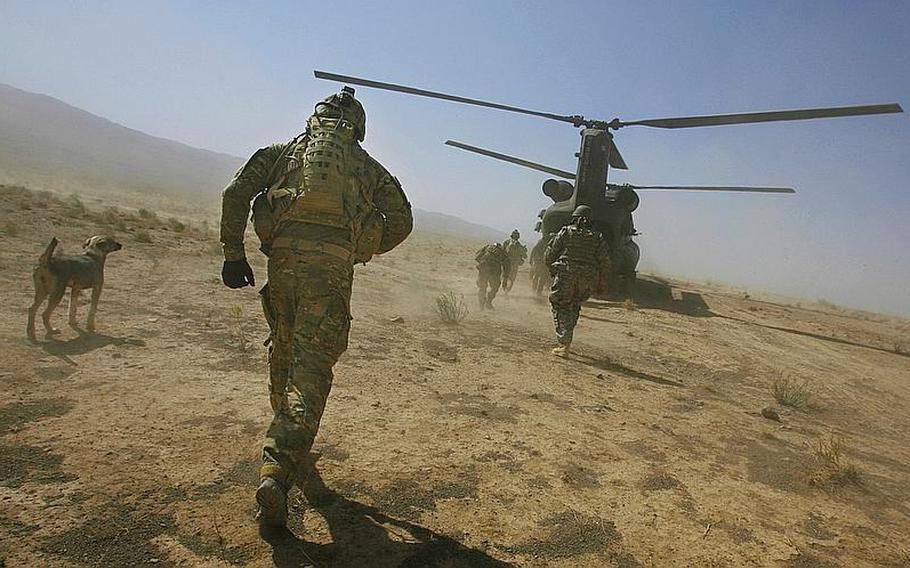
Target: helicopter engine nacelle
{"x": 624, "y": 196}
{"x": 558, "y": 190}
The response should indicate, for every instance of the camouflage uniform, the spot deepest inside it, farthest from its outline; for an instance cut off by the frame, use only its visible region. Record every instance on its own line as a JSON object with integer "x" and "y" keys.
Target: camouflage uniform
{"x": 312, "y": 243}
{"x": 492, "y": 265}
{"x": 578, "y": 258}
{"x": 517, "y": 254}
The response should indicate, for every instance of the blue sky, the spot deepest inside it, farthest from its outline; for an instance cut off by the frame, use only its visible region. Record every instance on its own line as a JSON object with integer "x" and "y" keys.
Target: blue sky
{"x": 232, "y": 76}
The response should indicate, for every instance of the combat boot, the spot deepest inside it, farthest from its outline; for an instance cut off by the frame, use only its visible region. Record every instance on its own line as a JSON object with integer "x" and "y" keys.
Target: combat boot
{"x": 272, "y": 498}
{"x": 561, "y": 351}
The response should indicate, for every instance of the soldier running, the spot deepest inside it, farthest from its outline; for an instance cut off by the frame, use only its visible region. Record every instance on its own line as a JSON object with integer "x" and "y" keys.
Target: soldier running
{"x": 492, "y": 269}
{"x": 517, "y": 253}
{"x": 321, "y": 205}
{"x": 579, "y": 261}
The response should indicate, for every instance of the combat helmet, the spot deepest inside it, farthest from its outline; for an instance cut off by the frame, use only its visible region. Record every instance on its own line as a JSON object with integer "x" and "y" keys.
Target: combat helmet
{"x": 343, "y": 105}
{"x": 515, "y": 234}
{"x": 582, "y": 212}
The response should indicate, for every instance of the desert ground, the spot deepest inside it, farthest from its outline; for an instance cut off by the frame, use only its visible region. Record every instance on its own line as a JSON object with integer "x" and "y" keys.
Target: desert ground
{"x": 442, "y": 445}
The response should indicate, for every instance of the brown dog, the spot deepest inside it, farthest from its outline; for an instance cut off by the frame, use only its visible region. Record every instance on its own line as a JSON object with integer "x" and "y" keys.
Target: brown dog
{"x": 78, "y": 271}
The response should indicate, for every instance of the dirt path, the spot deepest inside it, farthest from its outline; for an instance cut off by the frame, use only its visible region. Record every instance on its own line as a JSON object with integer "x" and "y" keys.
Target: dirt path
{"x": 442, "y": 445}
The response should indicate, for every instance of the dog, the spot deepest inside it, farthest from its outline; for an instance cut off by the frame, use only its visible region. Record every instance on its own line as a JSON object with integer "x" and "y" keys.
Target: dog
{"x": 54, "y": 274}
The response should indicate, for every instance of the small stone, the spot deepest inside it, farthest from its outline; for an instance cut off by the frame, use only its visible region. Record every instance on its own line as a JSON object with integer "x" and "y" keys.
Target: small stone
{"x": 397, "y": 319}
{"x": 770, "y": 413}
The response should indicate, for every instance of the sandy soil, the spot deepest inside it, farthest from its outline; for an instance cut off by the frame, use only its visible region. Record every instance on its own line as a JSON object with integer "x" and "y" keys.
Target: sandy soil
{"x": 442, "y": 445}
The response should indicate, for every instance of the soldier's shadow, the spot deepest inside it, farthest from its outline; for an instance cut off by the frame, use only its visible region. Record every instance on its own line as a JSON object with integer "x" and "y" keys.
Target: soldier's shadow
{"x": 363, "y": 536}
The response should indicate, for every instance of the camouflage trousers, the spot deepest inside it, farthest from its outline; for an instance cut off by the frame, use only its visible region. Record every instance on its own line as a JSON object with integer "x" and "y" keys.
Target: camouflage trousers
{"x": 509, "y": 280}
{"x": 307, "y": 303}
{"x": 568, "y": 291}
{"x": 488, "y": 282}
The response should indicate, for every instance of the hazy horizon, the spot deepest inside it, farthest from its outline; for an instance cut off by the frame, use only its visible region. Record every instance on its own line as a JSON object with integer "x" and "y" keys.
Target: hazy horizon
{"x": 230, "y": 78}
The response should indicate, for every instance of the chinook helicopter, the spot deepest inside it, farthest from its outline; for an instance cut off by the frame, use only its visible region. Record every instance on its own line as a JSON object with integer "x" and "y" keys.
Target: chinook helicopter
{"x": 612, "y": 204}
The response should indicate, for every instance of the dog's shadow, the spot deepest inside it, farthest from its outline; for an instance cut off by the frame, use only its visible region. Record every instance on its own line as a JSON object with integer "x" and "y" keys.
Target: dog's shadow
{"x": 364, "y": 536}
{"x": 85, "y": 343}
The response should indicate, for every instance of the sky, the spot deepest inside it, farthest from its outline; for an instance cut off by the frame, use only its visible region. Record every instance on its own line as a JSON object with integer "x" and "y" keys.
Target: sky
{"x": 234, "y": 76}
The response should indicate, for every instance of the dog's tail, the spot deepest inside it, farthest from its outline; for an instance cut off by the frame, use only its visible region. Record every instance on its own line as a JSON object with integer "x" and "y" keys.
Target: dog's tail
{"x": 48, "y": 252}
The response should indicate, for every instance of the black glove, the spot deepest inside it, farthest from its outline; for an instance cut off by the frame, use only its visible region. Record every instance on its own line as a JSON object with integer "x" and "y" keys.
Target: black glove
{"x": 237, "y": 274}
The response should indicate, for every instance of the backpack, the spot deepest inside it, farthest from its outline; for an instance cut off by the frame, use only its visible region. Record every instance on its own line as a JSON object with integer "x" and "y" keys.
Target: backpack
{"x": 325, "y": 180}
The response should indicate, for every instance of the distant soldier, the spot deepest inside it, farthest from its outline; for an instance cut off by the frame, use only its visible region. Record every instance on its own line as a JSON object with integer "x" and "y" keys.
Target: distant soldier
{"x": 321, "y": 205}
{"x": 493, "y": 267}
{"x": 517, "y": 254}
{"x": 579, "y": 261}
{"x": 539, "y": 269}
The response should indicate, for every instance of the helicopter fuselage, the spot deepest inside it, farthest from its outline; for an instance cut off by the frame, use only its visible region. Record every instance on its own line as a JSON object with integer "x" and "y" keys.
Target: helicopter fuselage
{"x": 612, "y": 215}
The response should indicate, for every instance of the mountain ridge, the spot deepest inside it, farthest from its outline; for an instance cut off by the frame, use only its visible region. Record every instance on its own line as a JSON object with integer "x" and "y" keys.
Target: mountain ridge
{"x": 48, "y": 142}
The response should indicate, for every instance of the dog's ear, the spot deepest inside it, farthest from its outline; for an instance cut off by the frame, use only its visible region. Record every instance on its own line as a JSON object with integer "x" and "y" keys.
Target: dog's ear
{"x": 87, "y": 242}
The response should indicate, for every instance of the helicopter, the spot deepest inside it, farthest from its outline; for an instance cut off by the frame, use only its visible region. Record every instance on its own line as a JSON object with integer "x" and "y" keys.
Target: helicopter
{"x": 612, "y": 204}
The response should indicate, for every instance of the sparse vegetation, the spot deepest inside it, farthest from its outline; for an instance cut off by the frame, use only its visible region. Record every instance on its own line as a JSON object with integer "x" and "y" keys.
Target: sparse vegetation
{"x": 828, "y": 305}
{"x": 790, "y": 392}
{"x": 113, "y": 217}
{"x": 147, "y": 214}
{"x": 176, "y": 225}
{"x": 142, "y": 236}
{"x": 629, "y": 304}
{"x": 236, "y": 312}
{"x": 832, "y": 468}
{"x": 73, "y": 206}
{"x": 450, "y": 308}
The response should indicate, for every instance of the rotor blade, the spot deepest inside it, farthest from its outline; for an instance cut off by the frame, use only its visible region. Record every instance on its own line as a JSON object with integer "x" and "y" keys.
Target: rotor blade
{"x": 769, "y": 116}
{"x": 743, "y": 189}
{"x": 512, "y": 159}
{"x": 443, "y": 96}
{"x": 616, "y": 160}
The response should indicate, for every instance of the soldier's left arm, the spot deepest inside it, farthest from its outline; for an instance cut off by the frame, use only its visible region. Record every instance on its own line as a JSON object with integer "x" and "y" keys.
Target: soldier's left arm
{"x": 389, "y": 198}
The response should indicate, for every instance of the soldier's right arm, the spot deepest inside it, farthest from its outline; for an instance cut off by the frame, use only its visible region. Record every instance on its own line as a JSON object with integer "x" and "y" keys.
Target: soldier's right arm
{"x": 236, "y": 197}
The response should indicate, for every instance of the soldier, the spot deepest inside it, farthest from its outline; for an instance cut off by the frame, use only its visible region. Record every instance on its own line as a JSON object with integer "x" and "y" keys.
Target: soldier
{"x": 579, "y": 262}
{"x": 517, "y": 254}
{"x": 539, "y": 270}
{"x": 492, "y": 268}
{"x": 321, "y": 205}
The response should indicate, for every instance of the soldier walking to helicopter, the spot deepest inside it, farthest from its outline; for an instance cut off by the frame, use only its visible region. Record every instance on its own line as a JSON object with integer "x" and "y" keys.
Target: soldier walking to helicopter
{"x": 321, "y": 205}
{"x": 579, "y": 261}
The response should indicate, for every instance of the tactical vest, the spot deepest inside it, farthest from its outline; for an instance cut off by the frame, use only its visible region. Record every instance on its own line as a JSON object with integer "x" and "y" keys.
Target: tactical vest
{"x": 323, "y": 179}
{"x": 581, "y": 245}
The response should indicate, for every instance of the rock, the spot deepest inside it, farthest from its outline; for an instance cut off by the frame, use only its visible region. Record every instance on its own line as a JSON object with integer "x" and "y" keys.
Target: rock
{"x": 770, "y": 413}
{"x": 397, "y": 319}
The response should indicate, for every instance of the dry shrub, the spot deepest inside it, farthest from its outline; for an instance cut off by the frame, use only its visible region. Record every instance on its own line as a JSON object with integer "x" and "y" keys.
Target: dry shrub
{"x": 832, "y": 469}
{"x": 450, "y": 308}
{"x": 113, "y": 217}
{"x": 629, "y": 304}
{"x": 142, "y": 236}
{"x": 790, "y": 392}
{"x": 73, "y": 206}
{"x": 147, "y": 214}
{"x": 176, "y": 225}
